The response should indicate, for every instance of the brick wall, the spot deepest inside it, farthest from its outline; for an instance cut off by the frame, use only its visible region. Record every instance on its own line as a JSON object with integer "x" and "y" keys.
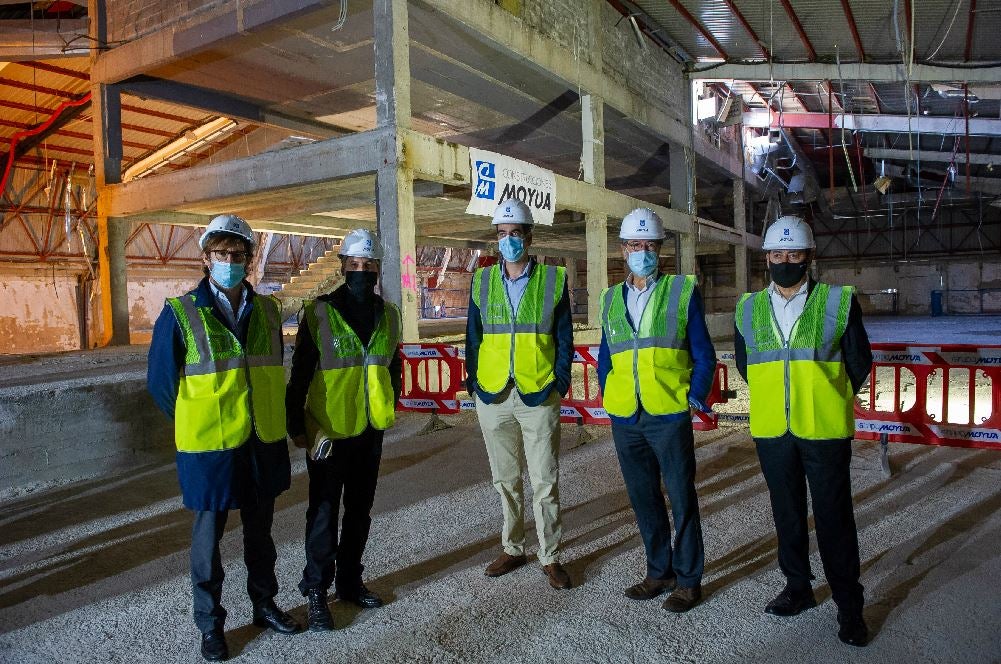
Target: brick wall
{"x": 129, "y": 19}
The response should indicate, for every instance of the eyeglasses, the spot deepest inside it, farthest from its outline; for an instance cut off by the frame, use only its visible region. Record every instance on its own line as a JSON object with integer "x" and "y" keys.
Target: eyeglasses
{"x": 229, "y": 256}
{"x": 641, "y": 245}
{"x": 787, "y": 255}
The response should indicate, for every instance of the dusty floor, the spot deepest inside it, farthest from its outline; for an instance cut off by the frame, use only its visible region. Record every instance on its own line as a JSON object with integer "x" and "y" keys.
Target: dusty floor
{"x": 97, "y": 571}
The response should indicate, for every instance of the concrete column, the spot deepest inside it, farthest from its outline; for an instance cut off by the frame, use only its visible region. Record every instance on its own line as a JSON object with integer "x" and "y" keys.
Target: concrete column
{"x": 683, "y": 200}
{"x": 394, "y": 186}
{"x": 595, "y": 225}
{"x": 740, "y": 223}
{"x": 106, "y": 107}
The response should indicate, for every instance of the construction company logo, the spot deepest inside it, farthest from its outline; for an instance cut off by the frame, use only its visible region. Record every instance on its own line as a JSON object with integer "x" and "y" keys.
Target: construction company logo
{"x": 903, "y": 356}
{"x": 418, "y": 404}
{"x": 467, "y": 404}
{"x": 597, "y": 413}
{"x": 889, "y": 428}
{"x": 980, "y": 357}
{"x": 486, "y": 184}
{"x": 496, "y": 178}
{"x": 569, "y": 411}
{"x": 418, "y": 352}
{"x": 643, "y": 224}
{"x": 966, "y": 433}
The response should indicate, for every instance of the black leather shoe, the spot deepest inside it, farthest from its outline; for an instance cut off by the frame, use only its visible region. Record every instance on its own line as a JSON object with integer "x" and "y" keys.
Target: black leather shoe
{"x": 791, "y": 602}
{"x": 214, "y": 646}
{"x": 852, "y": 629}
{"x": 269, "y": 615}
{"x": 649, "y": 588}
{"x": 362, "y": 596}
{"x": 319, "y": 617}
{"x": 682, "y": 599}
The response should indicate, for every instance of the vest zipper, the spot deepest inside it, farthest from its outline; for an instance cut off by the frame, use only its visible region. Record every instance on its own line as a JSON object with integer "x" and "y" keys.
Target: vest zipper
{"x": 785, "y": 359}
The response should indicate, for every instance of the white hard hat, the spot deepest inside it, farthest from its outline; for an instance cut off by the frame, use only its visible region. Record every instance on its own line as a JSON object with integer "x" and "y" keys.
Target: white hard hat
{"x": 642, "y": 224}
{"x": 512, "y": 211}
{"x": 361, "y": 243}
{"x": 788, "y": 232}
{"x": 229, "y": 224}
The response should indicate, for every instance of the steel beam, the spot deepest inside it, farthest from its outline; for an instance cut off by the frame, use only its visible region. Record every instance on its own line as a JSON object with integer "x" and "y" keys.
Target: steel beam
{"x": 815, "y": 71}
{"x": 925, "y": 155}
{"x": 921, "y": 124}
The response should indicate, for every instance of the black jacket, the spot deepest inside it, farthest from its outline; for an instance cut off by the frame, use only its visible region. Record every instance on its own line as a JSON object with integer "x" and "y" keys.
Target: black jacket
{"x": 362, "y": 318}
{"x": 855, "y": 350}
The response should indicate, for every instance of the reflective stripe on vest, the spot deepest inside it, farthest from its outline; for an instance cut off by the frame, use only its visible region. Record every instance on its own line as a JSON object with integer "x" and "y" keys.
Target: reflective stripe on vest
{"x": 352, "y": 387}
{"x": 651, "y": 366}
{"x": 518, "y": 344}
{"x": 225, "y": 388}
{"x": 798, "y": 385}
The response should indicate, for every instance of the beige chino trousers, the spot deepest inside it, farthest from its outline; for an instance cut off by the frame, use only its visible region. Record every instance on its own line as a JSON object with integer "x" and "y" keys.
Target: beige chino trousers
{"x": 511, "y": 431}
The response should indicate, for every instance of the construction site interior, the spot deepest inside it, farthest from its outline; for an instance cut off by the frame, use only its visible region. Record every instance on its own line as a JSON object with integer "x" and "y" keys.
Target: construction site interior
{"x": 130, "y": 124}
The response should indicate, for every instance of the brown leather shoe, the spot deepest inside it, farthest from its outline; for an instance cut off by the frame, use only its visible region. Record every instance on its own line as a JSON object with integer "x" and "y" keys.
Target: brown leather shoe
{"x": 505, "y": 563}
{"x": 649, "y": 588}
{"x": 682, "y": 599}
{"x": 558, "y": 577}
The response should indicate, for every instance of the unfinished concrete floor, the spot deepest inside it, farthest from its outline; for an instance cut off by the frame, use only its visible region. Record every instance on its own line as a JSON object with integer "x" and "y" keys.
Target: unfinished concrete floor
{"x": 97, "y": 571}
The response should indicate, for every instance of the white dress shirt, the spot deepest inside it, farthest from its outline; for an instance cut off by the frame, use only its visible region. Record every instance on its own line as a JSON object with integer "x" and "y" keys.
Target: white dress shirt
{"x": 637, "y": 298}
{"x": 787, "y": 312}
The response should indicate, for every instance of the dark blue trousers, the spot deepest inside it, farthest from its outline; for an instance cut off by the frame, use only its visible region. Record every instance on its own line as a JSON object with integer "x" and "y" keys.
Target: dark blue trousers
{"x": 649, "y": 451}
{"x": 206, "y": 564}
{"x": 788, "y": 463}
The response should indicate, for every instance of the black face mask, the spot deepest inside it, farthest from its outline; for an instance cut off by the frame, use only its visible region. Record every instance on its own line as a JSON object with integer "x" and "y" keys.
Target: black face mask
{"x": 361, "y": 284}
{"x": 788, "y": 274}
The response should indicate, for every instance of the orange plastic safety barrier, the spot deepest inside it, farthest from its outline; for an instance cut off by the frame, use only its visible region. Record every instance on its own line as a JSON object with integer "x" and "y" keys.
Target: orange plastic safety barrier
{"x": 935, "y": 395}
{"x": 434, "y": 382}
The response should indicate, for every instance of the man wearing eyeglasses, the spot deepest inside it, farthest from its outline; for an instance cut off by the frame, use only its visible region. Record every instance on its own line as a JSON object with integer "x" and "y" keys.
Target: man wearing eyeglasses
{"x": 655, "y": 365}
{"x": 519, "y": 350}
{"x": 804, "y": 352}
{"x": 215, "y": 368}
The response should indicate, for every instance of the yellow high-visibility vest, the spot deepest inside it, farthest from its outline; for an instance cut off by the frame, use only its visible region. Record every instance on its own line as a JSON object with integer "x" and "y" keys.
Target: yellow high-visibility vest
{"x": 651, "y": 365}
{"x": 226, "y": 387}
{"x": 351, "y": 387}
{"x": 517, "y": 344}
{"x": 799, "y": 384}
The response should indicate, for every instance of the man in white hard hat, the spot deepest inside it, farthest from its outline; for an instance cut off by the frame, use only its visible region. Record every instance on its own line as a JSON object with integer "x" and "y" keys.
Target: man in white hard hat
{"x": 519, "y": 350}
{"x": 656, "y": 363}
{"x": 803, "y": 350}
{"x": 342, "y": 393}
{"x": 215, "y": 368}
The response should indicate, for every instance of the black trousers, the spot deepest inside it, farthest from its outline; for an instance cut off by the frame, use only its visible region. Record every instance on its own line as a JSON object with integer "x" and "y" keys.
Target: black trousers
{"x": 351, "y": 471}
{"x": 788, "y": 464}
{"x": 206, "y": 565}
{"x": 649, "y": 451}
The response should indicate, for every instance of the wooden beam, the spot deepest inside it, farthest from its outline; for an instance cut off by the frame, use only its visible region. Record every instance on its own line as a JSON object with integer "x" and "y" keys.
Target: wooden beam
{"x": 38, "y": 39}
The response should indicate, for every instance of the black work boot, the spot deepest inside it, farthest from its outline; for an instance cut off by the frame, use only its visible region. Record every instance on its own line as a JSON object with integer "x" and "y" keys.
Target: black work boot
{"x": 319, "y": 618}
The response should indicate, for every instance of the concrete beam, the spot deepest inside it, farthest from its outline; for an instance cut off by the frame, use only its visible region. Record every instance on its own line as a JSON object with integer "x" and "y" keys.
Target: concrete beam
{"x": 23, "y": 40}
{"x": 448, "y": 163}
{"x": 815, "y": 71}
{"x": 920, "y": 124}
{"x": 925, "y": 155}
{"x": 232, "y": 21}
{"x": 740, "y": 252}
{"x": 549, "y": 57}
{"x": 595, "y": 224}
{"x": 333, "y": 159}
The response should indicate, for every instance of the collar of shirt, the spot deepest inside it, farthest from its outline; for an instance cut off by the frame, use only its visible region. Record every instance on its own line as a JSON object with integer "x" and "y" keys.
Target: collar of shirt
{"x": 651, "y": 281}
{"x": 524, "y": 273}
{"x": 224, "y": 304}
{"x": 773, "y": 290}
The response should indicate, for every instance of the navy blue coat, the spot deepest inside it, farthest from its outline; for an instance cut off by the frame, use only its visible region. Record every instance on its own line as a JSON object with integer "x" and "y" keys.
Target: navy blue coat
{"x": 225, "y": 479}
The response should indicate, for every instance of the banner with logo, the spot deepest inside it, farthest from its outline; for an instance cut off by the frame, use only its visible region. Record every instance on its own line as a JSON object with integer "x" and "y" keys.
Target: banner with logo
{"x": 496, "y": 178}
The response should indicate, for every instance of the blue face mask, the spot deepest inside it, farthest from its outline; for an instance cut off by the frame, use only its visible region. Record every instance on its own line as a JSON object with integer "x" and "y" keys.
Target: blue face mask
{"x": 642, "y": 263}
{"x": 512, "y": 248}
{"x": 227, "y": 275}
